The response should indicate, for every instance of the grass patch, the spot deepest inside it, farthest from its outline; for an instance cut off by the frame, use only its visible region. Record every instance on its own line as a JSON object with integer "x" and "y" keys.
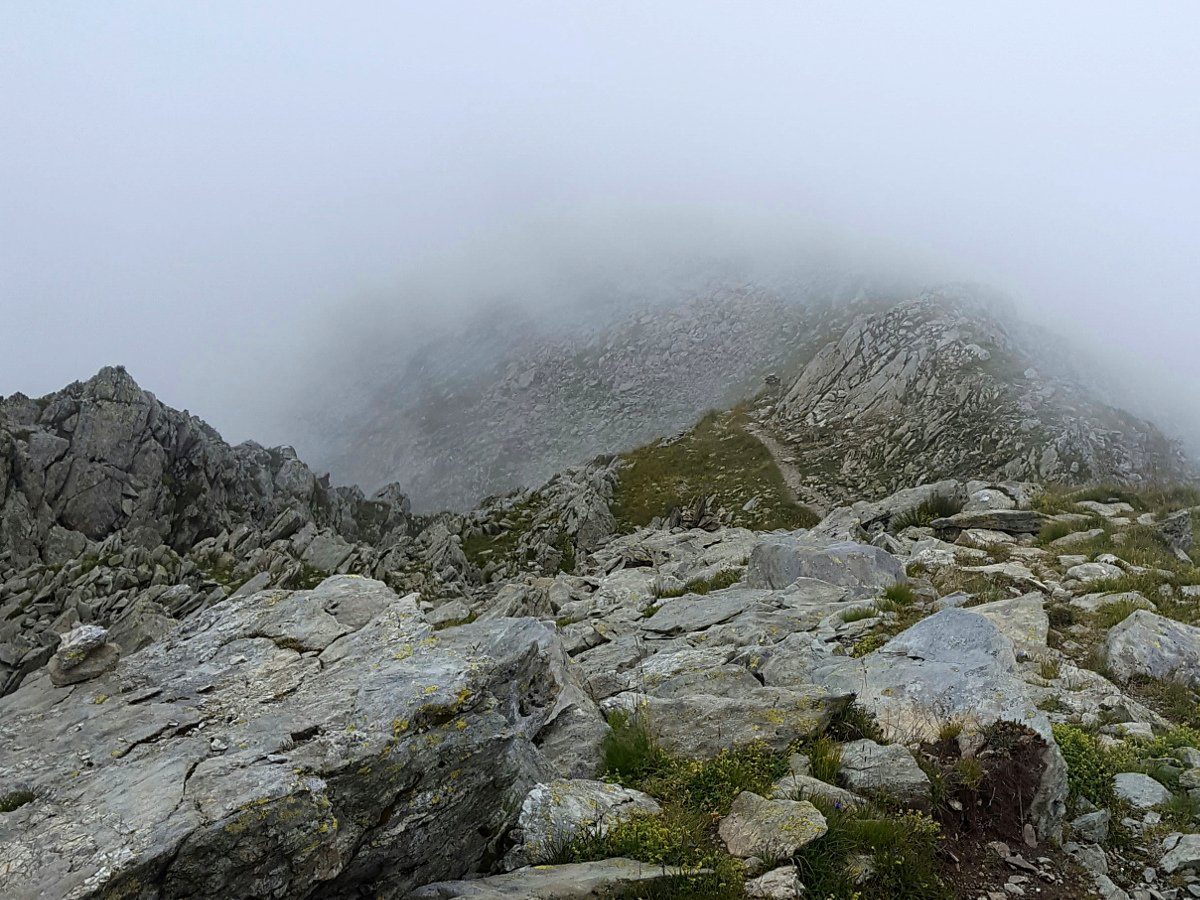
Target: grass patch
{"x": 718, "y": 456}
{"x": 825, "y": 759}
{"x": 936, "y": 506}
{"x": 720, "y": 581}
{"x": 1049, "y": 669}
{"x": 859, "y": 614}
{"x": 676, "y": 837}
{"x": 15, "y": 800}
{"x": 902, "y": 854}
{"x": 896, "y": 596}
{"x": 501, "y": 545}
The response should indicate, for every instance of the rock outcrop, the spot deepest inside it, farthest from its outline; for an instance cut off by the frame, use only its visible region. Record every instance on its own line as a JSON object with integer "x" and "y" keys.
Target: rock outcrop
{"x": 284, "y": 743}
{"x": 950, "y": 385}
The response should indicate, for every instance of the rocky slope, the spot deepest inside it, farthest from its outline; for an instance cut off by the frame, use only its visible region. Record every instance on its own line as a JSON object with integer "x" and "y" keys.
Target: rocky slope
{"x": 950, "y": 384}
{"x": 505, "y": 402}
{"x": 224, "y": 678}
{"x": 483, "y": 414}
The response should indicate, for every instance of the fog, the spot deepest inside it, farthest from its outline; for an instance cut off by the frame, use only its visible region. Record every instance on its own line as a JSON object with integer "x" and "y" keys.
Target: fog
{"x": 228, "y": 198}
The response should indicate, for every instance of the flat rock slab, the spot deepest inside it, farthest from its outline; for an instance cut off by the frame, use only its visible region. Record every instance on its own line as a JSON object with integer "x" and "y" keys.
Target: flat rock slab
{"x": 699, "y": 726}
{"x": 1022, "y": 620}
{"x": 695, "y": 612}
{"x": 1094, "y": 571}
{"x": 886, "y": 770}
{"x": 779, "y": 560}
{"x": 577, "y": 881}
{"x": 345, "y": 748}
{"x": 1010, "y": 521}
{"x": 1149, "y": 644}
{"x": 1140, "y": 790}
{"x": 757, "y": 826}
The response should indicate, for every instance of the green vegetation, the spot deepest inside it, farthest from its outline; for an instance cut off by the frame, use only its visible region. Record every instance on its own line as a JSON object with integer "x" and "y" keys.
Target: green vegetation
{"x": 825, "y": 759}
{"x": 308, "y": 577}
{"x": 723, "y": 579}
{"x": 860, "y": 613}
{"x": 1049, "y": 668}
{"x": 1091, "y": 766}
{"x": 718, "y": 456}
{"x": 15, "y": 800}
{"x": 898, "y": 850}
{"x": 677, "y": 837}
{"x": 1157, "y": 498}
{"x": 938, "y": 506}
{"x": 901, "y": 852}
{"x": 895, "y": 597}
{"x": 482, "y": 548}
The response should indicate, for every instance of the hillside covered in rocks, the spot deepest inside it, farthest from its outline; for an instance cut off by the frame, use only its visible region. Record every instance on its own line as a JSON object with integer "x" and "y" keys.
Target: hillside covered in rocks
{"x": 505, "y": 402}
{"x": 660, "y": 674}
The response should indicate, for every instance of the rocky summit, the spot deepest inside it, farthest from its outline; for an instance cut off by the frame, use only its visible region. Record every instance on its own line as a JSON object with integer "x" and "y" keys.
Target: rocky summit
{"x": 914, "y": 620}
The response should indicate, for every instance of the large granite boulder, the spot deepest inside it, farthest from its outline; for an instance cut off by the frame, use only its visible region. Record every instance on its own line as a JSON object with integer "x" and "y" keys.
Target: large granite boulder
{"x": 1146, "y": 644}
{"x": 315, "y": 743}
{"x": 954, "y": 666}
{"x": 779, "y": 560}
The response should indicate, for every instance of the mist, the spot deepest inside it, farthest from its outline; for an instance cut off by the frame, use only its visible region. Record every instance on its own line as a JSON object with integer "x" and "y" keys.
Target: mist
{"x": 232, "y": 199}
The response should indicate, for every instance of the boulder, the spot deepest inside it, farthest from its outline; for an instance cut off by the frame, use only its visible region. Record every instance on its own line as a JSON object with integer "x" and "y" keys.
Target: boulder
{"x": 779, "y": 560}
{"x": 701, "y": 725}
{"x": 345, "y": 748}
{"x": 1094, "y": 571}
{"x": 1140, "y": 791}
{"x": 555, "y": 813}
{"x": 756, "y": 826}
{"x": 576, "y": 881}
{"x": 1147, "y": 644}
{"x": 1183, "y": 852}
{"x": 84, "y": 653}
{"x": 1010, "y": 521}
{"x": 778, "y": 884}
{"x": 886, "y": 770}
{"x": 1176, "y": 532}
{"x": 955, "y": 665}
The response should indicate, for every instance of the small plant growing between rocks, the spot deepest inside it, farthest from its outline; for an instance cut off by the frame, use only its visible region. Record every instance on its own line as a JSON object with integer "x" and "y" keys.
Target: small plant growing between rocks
{"x": 13, "y": 800}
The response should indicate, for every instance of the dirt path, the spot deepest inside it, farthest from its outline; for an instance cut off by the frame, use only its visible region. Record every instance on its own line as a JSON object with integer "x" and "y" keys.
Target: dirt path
{"x": 800, "y": 491}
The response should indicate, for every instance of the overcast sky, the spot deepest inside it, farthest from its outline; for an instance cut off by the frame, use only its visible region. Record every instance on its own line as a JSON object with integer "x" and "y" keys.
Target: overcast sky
{"x": 186, "y": 187}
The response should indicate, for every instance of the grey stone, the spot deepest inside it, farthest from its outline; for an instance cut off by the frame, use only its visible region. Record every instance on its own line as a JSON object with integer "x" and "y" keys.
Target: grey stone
{"x": 1140, "y": 790}
{"x": 952, "y": 666}
{"x": 778, "y": 828}
{"x": 1183, "y": 855}
{"x": 778, "y": 884}
{"x": 886, "y": 770}
{"x": 1093, "y": 827}
{"x": 576, "y": 881}
{"x": 1010, "y": 521}
{"x": 552, "y": 814}
{"x": 98, "y": 662}
{"x": 1022, "y": 620}
{"x": 701, "y": 725}
{"x": 1094, "y": 571}
{"x": 1176, "y": 531}
{"x": 779, "y": 560}
{"x": 1149, "y": 644}
{"x": 407, "y": 752}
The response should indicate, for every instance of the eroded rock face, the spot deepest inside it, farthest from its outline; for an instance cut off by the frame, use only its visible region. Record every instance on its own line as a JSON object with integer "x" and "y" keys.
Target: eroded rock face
{"x": 948, "y": 384}
{"x": 315, "y": 742}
